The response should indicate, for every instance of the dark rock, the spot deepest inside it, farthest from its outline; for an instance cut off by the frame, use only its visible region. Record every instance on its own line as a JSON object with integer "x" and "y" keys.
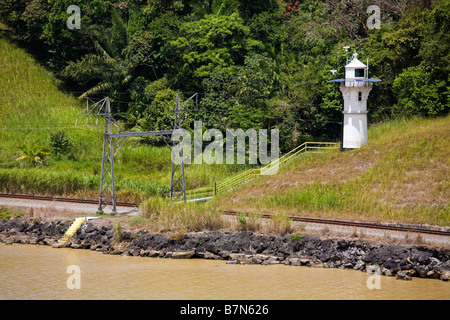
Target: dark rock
{"x": 342, "y": 244}
{"x": 420, "y": 255}
{"x": 241, "y": 247}
{"x": 443, "y": 271}
{"x": 391, "y": 265}
{"x": 326, "y": 244}
{"x": 403, "y": 275}
{"x": 422, "y": 271}
{"x": 23, "y": 227}
{"x": 90, "y": 228}
{"x": 127, "y": 235}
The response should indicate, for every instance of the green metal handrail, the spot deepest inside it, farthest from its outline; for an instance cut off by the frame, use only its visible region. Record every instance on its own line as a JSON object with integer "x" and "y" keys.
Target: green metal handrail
{"x": 245, "y": 176}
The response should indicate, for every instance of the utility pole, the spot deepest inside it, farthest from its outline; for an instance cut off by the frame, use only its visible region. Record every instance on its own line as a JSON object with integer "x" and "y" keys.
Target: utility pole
{"x": 107, "y": 182}
{"x": 113, "y": 139}
{"x": 177, "y": 177}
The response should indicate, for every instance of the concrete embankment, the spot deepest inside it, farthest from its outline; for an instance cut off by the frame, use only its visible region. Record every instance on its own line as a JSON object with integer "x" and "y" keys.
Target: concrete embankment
{"x": 403, "y": 262}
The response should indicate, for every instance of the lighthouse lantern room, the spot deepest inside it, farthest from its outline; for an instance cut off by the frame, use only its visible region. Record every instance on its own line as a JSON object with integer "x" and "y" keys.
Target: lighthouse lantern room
{"x": 355, "y": 90}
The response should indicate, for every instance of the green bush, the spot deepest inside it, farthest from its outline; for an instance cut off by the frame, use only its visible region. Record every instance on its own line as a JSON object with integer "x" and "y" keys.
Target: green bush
{"x": 5, "y": 213}
{"x": 420, "y": 92}
{"x": 117, "y": 229}
{"x": 32, "y": 155}
{"x": 60, "y": 144}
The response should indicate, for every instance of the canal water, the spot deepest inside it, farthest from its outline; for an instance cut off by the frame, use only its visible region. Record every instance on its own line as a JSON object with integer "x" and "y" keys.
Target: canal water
{"x": 41, "y": 272}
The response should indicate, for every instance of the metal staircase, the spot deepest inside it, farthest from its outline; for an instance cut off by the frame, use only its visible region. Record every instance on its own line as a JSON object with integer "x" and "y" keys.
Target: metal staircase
{"x": 206, "y": 193}
{"x": 78, "y": 222}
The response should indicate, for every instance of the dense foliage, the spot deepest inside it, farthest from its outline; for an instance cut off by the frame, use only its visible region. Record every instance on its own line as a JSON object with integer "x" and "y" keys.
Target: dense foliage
{"x": 254, "y": 63}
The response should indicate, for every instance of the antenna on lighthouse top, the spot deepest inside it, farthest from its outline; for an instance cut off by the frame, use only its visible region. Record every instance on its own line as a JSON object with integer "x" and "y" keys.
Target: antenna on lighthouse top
{"x": 346, "y": 52}
{"x": 367, "y": 73}
{"x": 355, "y": 54}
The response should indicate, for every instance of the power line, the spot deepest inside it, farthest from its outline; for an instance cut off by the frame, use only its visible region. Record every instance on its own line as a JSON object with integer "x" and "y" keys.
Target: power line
{"x": 35, "y": 124}
{"x": 44, "y": 128}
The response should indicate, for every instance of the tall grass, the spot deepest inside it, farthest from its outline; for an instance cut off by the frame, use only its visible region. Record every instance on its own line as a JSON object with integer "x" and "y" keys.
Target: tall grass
{"x": 165, "y": 215}
{"x": 279, "y": 223}
{"x": 401, "y": 175}
{"x": 37, "y": 181}
{"x": 32, "y": 108}
{"x": 30, "y": 102}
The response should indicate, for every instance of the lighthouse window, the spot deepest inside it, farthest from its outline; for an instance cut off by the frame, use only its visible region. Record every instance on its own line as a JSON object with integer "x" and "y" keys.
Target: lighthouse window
{"x": 359, "y": 73}
{"x": 359, "y": 96}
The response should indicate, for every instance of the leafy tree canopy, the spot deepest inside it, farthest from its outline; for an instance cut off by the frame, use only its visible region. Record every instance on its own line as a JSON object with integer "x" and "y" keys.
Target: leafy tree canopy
{"x": 254, "y": 63}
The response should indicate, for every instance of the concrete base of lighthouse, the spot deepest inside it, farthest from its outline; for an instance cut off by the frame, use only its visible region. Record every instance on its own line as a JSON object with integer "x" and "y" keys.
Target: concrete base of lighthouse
{"x": 355, "y": 130}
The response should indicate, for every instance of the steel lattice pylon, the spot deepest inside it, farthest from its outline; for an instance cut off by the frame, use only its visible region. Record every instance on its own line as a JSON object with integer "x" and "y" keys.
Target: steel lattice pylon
{"x": 113, "y": 139}
{"x": 177, "y": 179}
{"x": 111, "y": 146}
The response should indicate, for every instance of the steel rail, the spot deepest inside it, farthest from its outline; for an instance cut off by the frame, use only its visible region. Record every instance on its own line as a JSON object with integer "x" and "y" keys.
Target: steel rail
{"x": 61, "y": 199}
{"x": 357, "y": 224}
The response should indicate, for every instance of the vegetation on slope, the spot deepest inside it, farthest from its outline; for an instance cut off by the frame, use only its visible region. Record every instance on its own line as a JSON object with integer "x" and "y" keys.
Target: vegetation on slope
{"x": 401, "y": 175}
{"x": 42, "y": 152}
{"x": 255, "y": 64}
{"x": 258, "y": 64}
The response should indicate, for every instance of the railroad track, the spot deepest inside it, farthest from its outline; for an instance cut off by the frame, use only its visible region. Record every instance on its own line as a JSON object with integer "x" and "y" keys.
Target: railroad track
{"x": 357, "y": 224}
{"x": 60, "y": 199}
{"x": 439, "y": 231}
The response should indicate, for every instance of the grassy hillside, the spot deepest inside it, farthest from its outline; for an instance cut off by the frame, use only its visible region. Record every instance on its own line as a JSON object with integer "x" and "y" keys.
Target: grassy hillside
{"x": 30, "y": 102}
{"x": 32, "y": 108}
{"x": 402, "y": 175}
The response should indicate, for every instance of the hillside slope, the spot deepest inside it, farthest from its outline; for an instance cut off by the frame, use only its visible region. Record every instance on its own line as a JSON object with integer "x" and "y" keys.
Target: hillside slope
{"x": 403, "y": 174}
{"x": 32, "y": 108}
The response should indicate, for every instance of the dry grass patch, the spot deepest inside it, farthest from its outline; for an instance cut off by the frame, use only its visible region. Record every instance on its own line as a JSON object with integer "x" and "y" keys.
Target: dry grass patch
{"x": 401, "y": 176}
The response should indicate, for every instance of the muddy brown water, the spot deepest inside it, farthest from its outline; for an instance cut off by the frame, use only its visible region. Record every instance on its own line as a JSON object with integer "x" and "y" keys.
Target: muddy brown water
{"x": 42, "y": 272}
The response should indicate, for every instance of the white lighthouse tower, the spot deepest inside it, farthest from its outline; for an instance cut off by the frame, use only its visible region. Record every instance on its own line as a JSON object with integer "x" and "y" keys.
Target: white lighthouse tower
{"x": 355, "y": 90}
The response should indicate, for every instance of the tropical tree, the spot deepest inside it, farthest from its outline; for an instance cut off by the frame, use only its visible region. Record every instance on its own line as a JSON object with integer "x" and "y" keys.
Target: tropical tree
{"x": 214, "y": 7}
{"x": 62, "y": 43}
{"x": 207, "y": 45}
{"x": 108, "y": 69}
{"x": 32, "y": 155}
{"x": 421, "y": 92}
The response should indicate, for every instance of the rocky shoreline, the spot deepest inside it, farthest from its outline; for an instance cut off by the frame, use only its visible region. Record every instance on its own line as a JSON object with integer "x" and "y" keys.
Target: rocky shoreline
{"x": 403, "y": 262}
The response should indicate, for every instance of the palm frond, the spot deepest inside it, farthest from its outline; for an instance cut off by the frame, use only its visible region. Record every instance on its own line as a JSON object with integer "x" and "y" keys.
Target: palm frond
{"x": 101, "y": 87}
{"x": 127, "y": 79}
{"x": 119, "y": 31}
{"x": 109, "y": 67}
{"x": 101, "y": 50}
{"x": 84, "y": 69}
